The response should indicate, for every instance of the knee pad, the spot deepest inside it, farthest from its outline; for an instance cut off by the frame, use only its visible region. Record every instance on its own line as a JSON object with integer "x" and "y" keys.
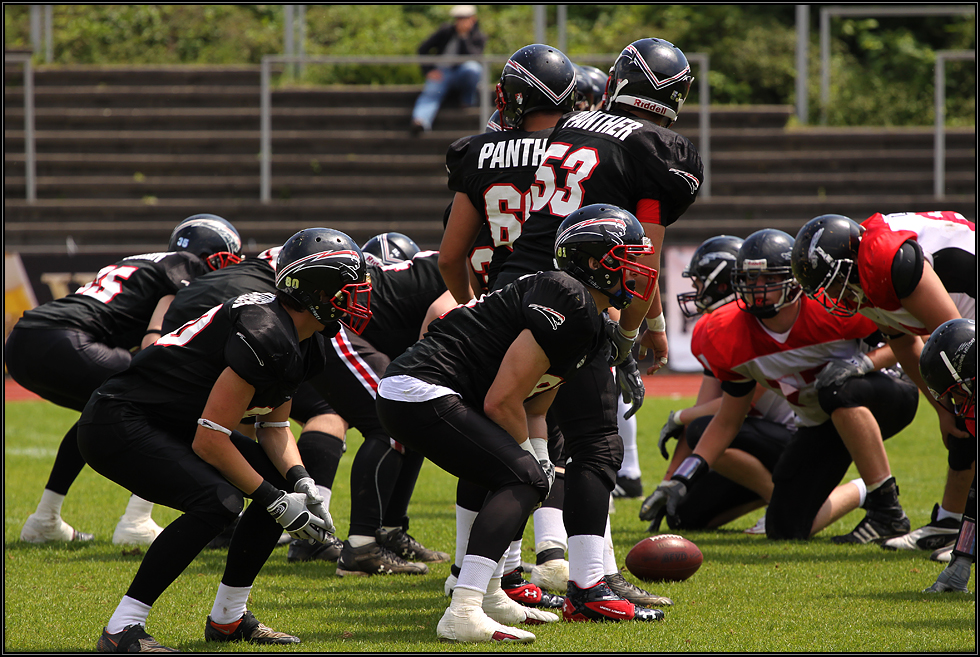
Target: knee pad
{"x": 222, "y": 507}
{"x": 962, "y": 452}
{"x": 604, "y": 457}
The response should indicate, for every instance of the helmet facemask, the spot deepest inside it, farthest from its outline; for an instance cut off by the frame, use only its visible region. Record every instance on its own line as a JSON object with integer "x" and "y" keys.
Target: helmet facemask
{"x": 222, "y": 259}
{"x": 836, "y": 293}
{"x": 612, "y": 269}
{"x": 702, "y": 300}
{"x": 753, "y": 297}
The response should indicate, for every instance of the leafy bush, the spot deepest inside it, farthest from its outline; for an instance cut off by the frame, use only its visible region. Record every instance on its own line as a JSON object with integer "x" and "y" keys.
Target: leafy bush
{"x": 881, "y": 68}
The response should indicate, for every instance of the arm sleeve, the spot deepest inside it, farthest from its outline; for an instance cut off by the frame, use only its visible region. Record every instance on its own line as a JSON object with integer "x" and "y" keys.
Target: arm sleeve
{"x": 738, "y": 388}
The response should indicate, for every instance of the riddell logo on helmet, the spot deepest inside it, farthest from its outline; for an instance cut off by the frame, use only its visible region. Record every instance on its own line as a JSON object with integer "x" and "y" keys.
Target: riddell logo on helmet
{"x": 649, "y": 106}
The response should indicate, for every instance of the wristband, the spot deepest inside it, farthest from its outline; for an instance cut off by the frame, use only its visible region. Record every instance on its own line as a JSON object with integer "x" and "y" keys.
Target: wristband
{"x": 266, "y": 494}
{"x": 658, "y": 324}
{"x": 629, "y": 334}
{"x": 271, "y": 425}
{"x": 540, "y": 447}
{"x": 208, "y": 424}
{"x": 690, "y": 468}
{"x": 296, "y": 473}
{"x": 676, "y": 417}
{"x": 152, "y": 332}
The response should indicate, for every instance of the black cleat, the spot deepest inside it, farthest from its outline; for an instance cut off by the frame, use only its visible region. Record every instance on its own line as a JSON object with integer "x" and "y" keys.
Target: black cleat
{"x": 132, "y": 639}
{"x": 600, "y": 603}
{"x": 301, "y": 550}
{"x": 526, "y": 593}
{"x": 247, "y": 628}
{"x": 408, "y": 548}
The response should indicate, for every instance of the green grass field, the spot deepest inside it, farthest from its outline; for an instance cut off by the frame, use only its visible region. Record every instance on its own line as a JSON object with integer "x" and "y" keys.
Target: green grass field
{"x": 751, "y": 595}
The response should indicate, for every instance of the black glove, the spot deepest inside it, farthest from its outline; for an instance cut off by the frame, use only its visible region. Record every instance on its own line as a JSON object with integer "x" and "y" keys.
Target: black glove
{"x": 668, "y": 495}
{"x": 631, "y": 384}
{"x": 672, "y": 429}
{"x": 621, "y": 344}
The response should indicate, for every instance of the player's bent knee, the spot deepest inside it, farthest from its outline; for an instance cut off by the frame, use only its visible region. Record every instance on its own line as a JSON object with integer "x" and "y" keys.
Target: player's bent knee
{"x": 962, "y": 453}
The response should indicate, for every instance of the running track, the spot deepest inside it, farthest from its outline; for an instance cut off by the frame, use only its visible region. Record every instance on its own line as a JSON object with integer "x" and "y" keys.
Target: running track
{"x": 661, "y": 385}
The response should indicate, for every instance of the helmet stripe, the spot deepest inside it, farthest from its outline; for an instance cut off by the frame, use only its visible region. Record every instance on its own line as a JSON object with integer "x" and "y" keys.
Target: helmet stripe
{"x": 649, "y": 73}
{"x": 534, "y": 80}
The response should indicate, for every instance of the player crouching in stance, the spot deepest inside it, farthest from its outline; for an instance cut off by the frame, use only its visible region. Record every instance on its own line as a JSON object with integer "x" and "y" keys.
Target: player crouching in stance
{"x": 473, "y": 394}
{"x": 789, "y": 345}
{"x": 160, "y": 430}
{"x": 948, "y": 364}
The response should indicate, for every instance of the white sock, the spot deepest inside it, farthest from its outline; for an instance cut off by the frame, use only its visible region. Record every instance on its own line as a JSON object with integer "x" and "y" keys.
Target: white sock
{"x": 137, "y": 509}
{"x": 467, "y": 598}
{"x": 608, "y": 552}
{"x": 50, "y": 504}
{"x": 464, "y": 523}
{"x": 512, "y": 558}
{"x": 627, "y": 431}
{"x": 357, "y": 541}
{"x": 129, "y": 612}
{"x": 549, "y": 529}
{"x": 943, "y": 514}
{"x": 862, "y": 490}
{"x": 325, "y": 493}
{"x": 499, "y": 571}
{"x": 585, "y": 559}
{"x": 475, "y": 574}
{"x": 229, "y": 603}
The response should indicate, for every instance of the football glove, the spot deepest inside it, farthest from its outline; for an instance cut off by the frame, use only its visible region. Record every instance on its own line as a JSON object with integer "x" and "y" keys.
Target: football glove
{"x": 838, "y": 371}
{"x": 314, "y": 501}
{"x": 672, "y": 429}
{"x": 669, "y": 494}
{"x": 290, "y": 511}
{"x": 631, "y": 384}
{"x": 621, "y": 344}
{"x": 540, "y": 449}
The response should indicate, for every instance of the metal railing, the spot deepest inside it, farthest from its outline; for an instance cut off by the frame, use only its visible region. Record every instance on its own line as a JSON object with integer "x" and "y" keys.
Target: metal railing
{"x": 30, "y": 167}
{"x": 265, "y": 138}
{"x": 870, "y": 11}
{"x": 939, "y": 142}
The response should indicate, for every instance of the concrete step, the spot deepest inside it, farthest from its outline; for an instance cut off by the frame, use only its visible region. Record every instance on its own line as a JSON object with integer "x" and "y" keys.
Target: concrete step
{"x": 137, "y": 96}
{"x": 61, "y": 75}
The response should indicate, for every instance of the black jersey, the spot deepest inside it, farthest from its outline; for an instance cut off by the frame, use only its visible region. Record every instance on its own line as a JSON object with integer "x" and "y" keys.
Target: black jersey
{"x": 116, "y": 307}
{"x": 401, "y": 293}
{"x": 495, "y": 171}
{"x": 252, "y": 334}
{"x": 210, "y": 290}
{"x": 605, "y": 157}
{"x": 463, "y": 349}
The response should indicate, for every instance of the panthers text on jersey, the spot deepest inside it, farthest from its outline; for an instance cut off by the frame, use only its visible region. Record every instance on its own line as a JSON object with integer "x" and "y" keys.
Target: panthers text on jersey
{"x": 116, "y": 307}
{"x": 605, "y": 157}
{"x": 252, "y": 334}
{"x": 495, "y": 171}
{"x": 737, "y": 347}
{"x": 463, "y": 349}
{"x": 947, "y": 241}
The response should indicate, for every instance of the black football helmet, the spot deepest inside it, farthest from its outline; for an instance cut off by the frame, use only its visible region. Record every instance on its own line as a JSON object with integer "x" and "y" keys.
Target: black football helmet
{"x": 323, "y": 270}
{"x": 209, "y": 236}
{"x": 389, "y": 248}
{"x": 948, "y": 364}
{"x": 651, "y": 75}
{"x": 493, "y": 123}
{"x": 270, "y": 256}
{"x": 590, "y": 83}
{"x": 764, "y": 253}
{"x": 612, "y": 236}
{"x": 711, "y": 266}
{"x": 536, "y": 77}
{"x": 825, "y": 263}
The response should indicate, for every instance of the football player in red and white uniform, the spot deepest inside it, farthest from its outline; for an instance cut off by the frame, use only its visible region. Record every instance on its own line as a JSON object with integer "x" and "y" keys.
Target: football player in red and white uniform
{"x": 774, "y": 338}
{"x": 908, "y": 272}
{"x": 64, "y": 349}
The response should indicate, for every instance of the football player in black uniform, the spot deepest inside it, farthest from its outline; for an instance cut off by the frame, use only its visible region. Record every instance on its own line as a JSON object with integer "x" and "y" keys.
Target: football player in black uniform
{"x": 321, "y": 442}
{"x": 625, "y": 156}
{"x": 948, "y": 364}
{"x": 64, "y": 350}
{"x": 407, "y": 295}
{"x": 161, "y": 428}
{"x": 473, "y": 393}
{"x": 491, "y": 175}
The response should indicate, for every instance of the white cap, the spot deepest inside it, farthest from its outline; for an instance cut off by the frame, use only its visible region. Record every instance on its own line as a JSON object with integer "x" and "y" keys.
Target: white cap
{"x": 463, "y": 11}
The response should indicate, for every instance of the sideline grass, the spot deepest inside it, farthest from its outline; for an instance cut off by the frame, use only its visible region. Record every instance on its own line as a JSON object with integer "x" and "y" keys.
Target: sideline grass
{"x": 751, "y": 594}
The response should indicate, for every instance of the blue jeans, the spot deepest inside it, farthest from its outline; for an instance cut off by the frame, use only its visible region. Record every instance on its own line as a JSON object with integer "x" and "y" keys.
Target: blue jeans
{"x": 465, "y": 78}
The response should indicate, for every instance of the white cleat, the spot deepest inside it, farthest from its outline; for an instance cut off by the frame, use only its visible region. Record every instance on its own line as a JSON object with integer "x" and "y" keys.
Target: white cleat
{"x": 472, "y": 625}
{"x": 43, "y": 530}
{"x": 942, "y": 555}
{"x": 551, "y": 575}
{"x": 499, "y": 607}
{"x": 128, "y": 532}
{"x": 757, "y": 528}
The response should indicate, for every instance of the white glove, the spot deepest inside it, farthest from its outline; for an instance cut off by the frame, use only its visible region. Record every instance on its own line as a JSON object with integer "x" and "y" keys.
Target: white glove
{"x": 837, "y": 372}
{"x": 314, "y": 501}
{"x": 540, "y": 447}
{"x": 290, "y": 511}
